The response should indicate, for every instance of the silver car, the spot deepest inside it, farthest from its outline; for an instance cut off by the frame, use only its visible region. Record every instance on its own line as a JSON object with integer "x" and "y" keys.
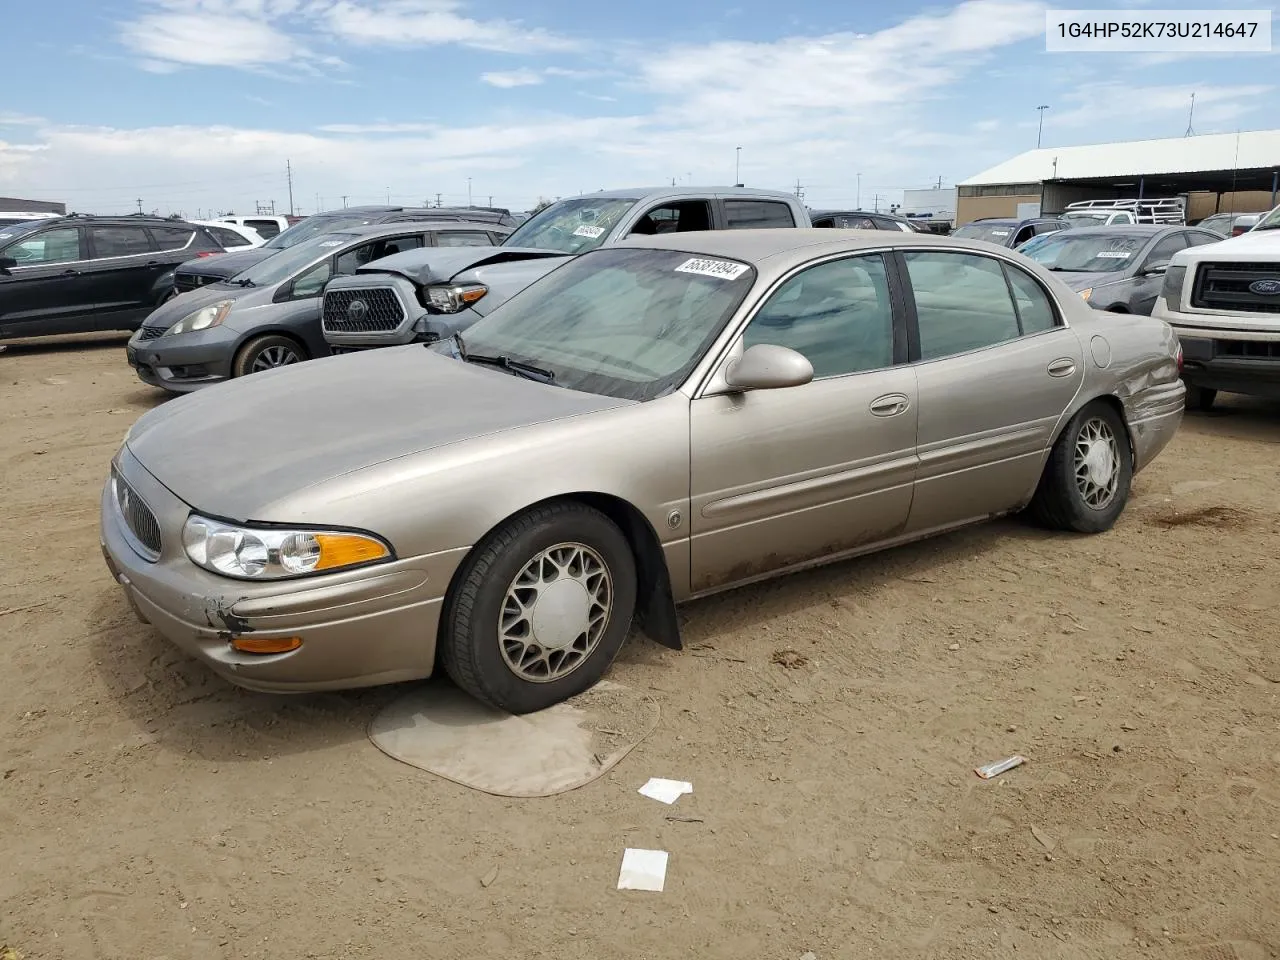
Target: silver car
{"x": 649, "y": 423}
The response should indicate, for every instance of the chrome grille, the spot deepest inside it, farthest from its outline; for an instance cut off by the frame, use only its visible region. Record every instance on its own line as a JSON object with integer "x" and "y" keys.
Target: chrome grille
{"x": 137, "y": 517}
{"x": 362, "y": 311}
{"x": 1225, "y": 286}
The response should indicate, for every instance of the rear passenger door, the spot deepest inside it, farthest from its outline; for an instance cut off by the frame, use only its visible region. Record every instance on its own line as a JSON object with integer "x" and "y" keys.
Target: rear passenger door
{"x": 124, "y": 265}
{"x": 48, "y": 292}
{"x": 747, "y": 214}
{"x": 996, "y": 368}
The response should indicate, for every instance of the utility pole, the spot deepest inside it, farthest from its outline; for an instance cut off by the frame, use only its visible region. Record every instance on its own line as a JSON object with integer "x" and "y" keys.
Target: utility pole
{"x": 438, "y": 200}
{"x": 857, "y": 205}
{"x": 344, "y": 201}
{"x": 388, "y": 196}
{"x": 468, "y": 193}
{"x": 139, "y": 204}
{"x": 273, "y": 208}
{"x": 939, "y": 183}
{"x": 1042, "y": 108}
{"x": 288, "y": 172}
{"x": 799, "y": 189}
{"x": 737, "y": 167}
{"x": 491, "y": 199}
{"x": 876, "y": 201}
{"x": 1190, "y": 117}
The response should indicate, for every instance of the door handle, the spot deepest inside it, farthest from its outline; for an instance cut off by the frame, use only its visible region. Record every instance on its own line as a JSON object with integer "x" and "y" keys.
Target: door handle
{"x": 71, "y": 273}
{"x": 1062, "y": 368}
{"x": 890, "y": 405}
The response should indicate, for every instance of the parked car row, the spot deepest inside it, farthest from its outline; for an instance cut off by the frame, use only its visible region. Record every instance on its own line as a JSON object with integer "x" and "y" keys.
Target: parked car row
{"x": 663, "y": 408}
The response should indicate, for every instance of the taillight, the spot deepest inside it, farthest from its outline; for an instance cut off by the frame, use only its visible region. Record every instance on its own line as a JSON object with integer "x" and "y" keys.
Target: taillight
{"x": 210, "y": 253}
{"x": 1236, "y": 231}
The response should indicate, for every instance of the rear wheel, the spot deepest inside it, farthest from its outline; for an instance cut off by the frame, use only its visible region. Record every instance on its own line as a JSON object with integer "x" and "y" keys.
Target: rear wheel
{"x": 266, "y": 353}
{"x": 1200, "y": 398}
{"x": 1085, "y": 484}
{"x": 540, "y": 609}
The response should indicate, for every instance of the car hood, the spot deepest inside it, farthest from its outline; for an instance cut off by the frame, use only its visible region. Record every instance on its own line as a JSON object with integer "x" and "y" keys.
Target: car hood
{"x": 439, "y": 265}
{"x": 225, "y": 264}
{"x": 235, "y": 449}
{"x": 171, "y": 311}
{"x": 1255, "y": 241}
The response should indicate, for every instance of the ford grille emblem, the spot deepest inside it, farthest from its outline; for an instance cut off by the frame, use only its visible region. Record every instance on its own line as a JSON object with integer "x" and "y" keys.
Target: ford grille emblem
{"x": 1265, "y": 288}
{"x": 357, "y": 310}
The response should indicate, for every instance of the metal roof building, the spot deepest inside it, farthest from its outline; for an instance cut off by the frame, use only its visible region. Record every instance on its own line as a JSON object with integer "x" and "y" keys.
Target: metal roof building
{"x": 1226, "y": 171}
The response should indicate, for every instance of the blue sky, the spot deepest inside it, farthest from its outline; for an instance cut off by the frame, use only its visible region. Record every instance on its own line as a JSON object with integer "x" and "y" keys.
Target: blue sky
{"x": 197, "y": 104}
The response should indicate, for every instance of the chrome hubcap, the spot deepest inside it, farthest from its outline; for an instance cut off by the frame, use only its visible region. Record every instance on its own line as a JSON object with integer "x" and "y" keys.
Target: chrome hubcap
{"x": 555, "y": 612}
{"x": 273, "y": 357}
{"x": 1097, "y": 464}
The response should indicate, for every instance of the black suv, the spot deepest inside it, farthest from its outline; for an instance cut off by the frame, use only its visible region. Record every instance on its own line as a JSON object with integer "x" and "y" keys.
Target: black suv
{"x": 862, "y": 220}
{"x": 80, "y": 274}
{"x": 195, "y": 275}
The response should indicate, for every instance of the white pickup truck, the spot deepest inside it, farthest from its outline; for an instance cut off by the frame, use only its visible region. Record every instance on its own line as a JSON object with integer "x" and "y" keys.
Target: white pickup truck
{"x": 1223, "y": 301}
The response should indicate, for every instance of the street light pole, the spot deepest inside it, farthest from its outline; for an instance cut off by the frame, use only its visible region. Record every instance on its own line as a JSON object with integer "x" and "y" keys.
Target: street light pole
{"x": 468, "y": 193}
{"x": 858, "y": 203}
{"x": 737, "y": 167}
{"x": 1042, "y": 108}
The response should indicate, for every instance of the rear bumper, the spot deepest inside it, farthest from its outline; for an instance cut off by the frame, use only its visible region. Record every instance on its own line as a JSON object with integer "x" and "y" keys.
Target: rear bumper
{"x": 1154, "y": 421}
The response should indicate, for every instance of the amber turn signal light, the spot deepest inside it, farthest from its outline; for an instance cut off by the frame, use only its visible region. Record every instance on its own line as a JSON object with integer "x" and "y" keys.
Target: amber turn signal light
{"x": 264, "y": 645}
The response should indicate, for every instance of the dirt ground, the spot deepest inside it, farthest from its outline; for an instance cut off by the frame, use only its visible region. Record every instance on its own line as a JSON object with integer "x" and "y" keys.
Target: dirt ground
{"x": 830, "y": 723}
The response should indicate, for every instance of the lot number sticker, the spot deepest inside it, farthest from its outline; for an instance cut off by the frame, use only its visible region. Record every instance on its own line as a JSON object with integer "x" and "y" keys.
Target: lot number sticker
{"x": 1114, "y": 254}
{"x": 332, "y": 243}
{"x": 720, "y": 269}
{"x": 593, "y": 233}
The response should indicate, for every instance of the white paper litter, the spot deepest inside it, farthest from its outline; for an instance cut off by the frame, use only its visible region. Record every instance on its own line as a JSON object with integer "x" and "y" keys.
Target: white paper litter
{"x": 665, "y": 791}
{"x": 643, "y": 870}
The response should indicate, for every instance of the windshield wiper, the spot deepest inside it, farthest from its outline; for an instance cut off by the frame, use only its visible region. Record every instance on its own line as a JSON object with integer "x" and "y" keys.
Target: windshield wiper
{"x": 244, "y": 282}
{"x": 526, "y": 370}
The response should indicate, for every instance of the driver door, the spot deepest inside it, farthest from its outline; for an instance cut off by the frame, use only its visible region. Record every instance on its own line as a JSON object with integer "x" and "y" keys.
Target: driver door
{"x": 49, "y": 291}
{"x": 1146, "y": 283}
{"x": 787, "y": 476}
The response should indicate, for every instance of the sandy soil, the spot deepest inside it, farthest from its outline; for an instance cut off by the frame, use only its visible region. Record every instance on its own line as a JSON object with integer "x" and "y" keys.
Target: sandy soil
{"x": 829, "y": 722}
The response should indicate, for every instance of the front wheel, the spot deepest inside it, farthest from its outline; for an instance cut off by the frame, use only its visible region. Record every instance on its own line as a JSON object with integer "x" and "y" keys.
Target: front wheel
{"x": 267, "y": 353}
{"x": 540, "y": 608}
{"x": 1085, "y": 484}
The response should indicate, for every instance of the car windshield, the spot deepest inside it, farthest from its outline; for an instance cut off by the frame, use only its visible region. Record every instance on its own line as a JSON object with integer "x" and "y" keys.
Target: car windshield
{"x": 621, "y": 322}
{"x": 571, "y": 226}
{"x": 997, "y": 233}
{"x": 313, "y": 227}
{"x": 1073, "y": 252}
{"x": 1270, "y": 222}
{"x": 285, "y": 264}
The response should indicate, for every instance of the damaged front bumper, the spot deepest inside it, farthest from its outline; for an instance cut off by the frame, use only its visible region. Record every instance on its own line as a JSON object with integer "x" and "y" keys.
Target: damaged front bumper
{"x": 357, "y": 628}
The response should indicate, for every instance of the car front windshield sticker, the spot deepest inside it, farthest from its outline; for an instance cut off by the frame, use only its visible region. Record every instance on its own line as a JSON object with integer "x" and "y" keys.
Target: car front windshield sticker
{"x": 720, "y": 269}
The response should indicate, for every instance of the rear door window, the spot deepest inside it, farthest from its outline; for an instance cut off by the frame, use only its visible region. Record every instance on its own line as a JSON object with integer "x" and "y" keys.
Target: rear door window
{"x": 962, "y": 303}
{"x": 174, "y": 238}
{"x": 119, "y": 242}
{"x": 266, "y": 228}
{"x": 757, "y": 214}
{"x": 463, "y": 238}
{"x": 357, "y": 257}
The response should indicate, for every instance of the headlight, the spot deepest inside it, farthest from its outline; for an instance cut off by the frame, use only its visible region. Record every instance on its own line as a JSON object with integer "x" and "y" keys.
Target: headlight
{"x": 451, "y": 299}
{"x": 202, "y": 319}
{"x": 1086, "y": 293}
{"x": 249, "y": 553}
{"x": 1171, "y": 289}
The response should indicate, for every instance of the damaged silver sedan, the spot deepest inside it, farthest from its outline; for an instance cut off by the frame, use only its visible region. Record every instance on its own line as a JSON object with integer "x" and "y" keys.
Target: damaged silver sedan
{"x": 649, "y": 423}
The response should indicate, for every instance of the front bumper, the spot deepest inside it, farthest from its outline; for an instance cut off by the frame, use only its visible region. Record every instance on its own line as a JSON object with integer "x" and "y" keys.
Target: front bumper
{"x": 185, "y": 362}
{"x": 359, "y": 628}
{"x": 1228, "y": 353}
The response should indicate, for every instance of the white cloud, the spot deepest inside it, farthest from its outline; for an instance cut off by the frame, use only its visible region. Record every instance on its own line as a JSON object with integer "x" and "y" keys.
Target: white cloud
{"x": 1095, "y": 103}
{"x": 512, "y": 78}
{"x": 256, "y": 34}
{"x": 20, "y": 120}
{"x": 433, "y": 22}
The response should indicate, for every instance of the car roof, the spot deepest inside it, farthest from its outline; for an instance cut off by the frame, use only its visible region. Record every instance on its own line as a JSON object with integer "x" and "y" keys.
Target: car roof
{"x": 796, "y": 244}
{"x": 411, "y": 226}
{"x": 1110, "y": 230}
{"x": 855, "y": 213}
{"x": 647, "y": 193}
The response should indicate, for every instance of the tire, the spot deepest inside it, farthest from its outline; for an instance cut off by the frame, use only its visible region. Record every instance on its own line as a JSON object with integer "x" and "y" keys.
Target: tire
{"x": 1065, "y": 502}
{"x": 260, "y": 352}
{"x": 1200, "y": 398}
{"x": 518, "y": 676}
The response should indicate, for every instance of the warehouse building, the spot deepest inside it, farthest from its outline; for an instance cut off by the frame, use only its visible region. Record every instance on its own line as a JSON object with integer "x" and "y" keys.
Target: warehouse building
{"x": 1218, "y": 173}
{"x": 32, "y": 206}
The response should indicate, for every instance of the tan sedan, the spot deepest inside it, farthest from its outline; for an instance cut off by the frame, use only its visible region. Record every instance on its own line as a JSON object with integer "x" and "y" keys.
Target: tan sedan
{"x": 649, "y": 423}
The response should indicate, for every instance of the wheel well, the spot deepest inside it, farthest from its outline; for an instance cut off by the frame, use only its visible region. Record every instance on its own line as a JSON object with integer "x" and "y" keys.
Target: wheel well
{"x": 655, "y": 603}
{"x": 1114, "y": 403}
{"x": 1117, "y": 308}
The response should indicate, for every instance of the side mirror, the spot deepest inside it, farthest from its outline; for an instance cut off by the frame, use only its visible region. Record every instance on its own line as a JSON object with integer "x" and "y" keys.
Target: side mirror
{"x": 767, "y": 366}
{"x": 1156, "y": 269}
{"x": 7, "y": 264}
